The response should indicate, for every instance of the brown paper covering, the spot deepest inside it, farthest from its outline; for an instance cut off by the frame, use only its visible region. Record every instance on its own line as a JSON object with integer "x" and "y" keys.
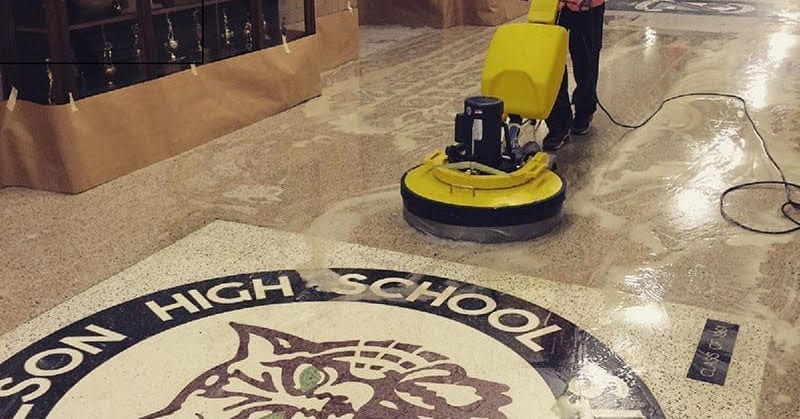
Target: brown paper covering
{"x": 338, "y": 38}
{"x": 441, "y": 13}
{"x": 493, "y": 12}
{"x": 113, "y": 134}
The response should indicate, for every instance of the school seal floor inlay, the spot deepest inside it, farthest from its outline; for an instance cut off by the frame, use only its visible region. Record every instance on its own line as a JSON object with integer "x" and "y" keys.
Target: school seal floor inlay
{"x": 236, "y": 321}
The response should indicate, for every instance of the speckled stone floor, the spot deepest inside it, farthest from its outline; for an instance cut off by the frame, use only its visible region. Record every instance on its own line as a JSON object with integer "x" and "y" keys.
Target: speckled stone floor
{"x": 655, "y": 343}
{"x": 642, "y": 216}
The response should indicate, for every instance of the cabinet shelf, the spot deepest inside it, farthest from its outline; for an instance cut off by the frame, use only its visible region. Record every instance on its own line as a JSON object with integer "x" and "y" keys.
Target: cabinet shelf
{"x": 102, "y": 22}
{"x": 26, "y": 29}
{"x": 197, "y": 5}
{"x": 82, "y": 25}
{"x": 66, "y": 58}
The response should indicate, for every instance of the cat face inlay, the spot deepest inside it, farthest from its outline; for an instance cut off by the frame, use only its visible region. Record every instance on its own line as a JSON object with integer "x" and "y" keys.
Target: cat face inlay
{"x": 276, "y": 375}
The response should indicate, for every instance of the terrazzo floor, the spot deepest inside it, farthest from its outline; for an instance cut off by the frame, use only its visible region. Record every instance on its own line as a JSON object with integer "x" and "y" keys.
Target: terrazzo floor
{"x": 655, "y": 343}
{"x": 641, "y": 220}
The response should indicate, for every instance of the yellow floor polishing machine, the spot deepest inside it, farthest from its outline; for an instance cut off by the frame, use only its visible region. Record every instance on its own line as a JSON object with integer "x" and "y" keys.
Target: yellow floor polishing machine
{"x": 487, "y": 187}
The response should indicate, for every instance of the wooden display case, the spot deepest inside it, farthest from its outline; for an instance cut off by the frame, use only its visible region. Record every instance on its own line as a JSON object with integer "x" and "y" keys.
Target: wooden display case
{"x": 53, "y": 49}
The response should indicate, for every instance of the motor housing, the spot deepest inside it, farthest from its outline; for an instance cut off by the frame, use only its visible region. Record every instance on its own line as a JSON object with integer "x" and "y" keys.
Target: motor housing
{"x": 479, "y": 132}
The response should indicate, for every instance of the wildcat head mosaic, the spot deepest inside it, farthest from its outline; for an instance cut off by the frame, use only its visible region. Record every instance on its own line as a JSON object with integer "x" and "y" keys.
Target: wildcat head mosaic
{"x": 279, "y": 374}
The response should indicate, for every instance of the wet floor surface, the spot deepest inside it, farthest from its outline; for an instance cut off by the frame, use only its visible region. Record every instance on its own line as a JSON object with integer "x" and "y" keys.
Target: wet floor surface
{"x": 642, "y": 215}
{"x": 629, "y": 363}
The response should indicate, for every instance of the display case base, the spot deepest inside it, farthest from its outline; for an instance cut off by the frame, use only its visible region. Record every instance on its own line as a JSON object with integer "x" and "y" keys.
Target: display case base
{"x": 338, "y": 38}
{"x": 71, "y": 149}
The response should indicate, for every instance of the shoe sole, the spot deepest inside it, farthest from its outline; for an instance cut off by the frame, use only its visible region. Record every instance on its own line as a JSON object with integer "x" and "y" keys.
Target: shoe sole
{"x": 581, "y": 132}
{"x": 557, "y": 146}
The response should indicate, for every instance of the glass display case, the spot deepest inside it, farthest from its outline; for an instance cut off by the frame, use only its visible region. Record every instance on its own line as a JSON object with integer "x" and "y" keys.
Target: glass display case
{"x": 51, "y": 49}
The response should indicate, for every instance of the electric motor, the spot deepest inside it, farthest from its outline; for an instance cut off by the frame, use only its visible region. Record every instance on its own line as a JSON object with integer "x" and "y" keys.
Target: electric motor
{"x": 478, "y": 132}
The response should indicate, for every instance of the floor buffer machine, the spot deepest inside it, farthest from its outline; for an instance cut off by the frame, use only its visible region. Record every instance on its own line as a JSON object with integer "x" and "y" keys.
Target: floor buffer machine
{"x": 487, "y": 187}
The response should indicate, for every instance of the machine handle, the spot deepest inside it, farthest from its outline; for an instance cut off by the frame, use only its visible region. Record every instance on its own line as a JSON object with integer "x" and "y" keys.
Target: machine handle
{"x": 543, "y": 11}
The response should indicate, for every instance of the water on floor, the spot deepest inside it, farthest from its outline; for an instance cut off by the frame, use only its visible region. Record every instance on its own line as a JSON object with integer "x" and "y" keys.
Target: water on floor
{"x": 642, "y": 235}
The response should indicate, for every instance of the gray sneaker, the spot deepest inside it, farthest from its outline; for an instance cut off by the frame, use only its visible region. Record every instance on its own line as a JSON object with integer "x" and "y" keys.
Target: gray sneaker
{"x": 582, "y": 125}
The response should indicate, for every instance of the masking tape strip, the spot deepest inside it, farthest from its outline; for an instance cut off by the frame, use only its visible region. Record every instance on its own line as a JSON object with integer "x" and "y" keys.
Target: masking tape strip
{"x": 194, "y": 69}
{"x": 286, "y": 45}
{"x": 350, "y": 7}
{"x": 72, "y": 105}
{"x": 12, "y": 99}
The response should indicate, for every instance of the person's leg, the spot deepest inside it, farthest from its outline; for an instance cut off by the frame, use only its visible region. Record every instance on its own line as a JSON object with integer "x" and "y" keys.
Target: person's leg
{"x": 560, "y": 120}
{"x": 586, "y": 41}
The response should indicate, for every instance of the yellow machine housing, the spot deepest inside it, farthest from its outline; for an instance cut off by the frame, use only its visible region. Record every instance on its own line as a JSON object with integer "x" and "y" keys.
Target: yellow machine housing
{"x": 437, "y": 181}
{"x": 525, "y": 63}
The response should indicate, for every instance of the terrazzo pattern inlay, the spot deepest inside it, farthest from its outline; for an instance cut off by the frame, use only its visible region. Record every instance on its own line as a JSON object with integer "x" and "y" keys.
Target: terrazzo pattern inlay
{"x": 384, "y": 367}
{"x": 716, "y": 7}
{"x": 642, "y": 227}
{"x": 398, "y": 336}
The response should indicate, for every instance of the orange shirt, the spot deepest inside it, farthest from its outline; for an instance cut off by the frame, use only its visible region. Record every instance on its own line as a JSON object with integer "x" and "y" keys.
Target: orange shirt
{"x": 579, "y": 5}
